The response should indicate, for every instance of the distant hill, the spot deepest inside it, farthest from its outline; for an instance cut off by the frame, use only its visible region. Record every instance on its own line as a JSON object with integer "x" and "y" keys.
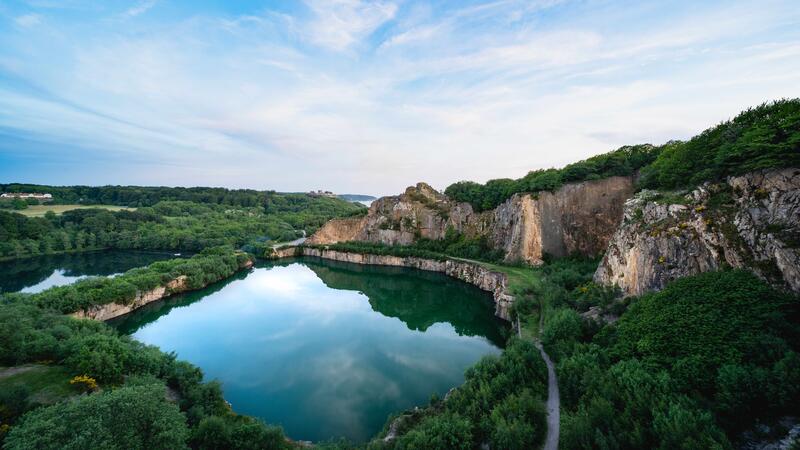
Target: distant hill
{"x": 357, "y": 197}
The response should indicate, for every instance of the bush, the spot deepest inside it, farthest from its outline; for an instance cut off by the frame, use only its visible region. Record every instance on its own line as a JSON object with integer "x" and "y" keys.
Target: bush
{"x": 124, "y": 418}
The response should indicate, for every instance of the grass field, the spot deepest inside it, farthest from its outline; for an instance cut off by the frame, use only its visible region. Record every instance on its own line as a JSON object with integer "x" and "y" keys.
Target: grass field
{"x": 40, "y": 210}
{"x": 47, "y": 384}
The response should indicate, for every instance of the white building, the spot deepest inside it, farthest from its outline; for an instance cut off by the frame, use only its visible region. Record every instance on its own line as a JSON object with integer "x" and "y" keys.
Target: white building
{"x": 27, "y": 195}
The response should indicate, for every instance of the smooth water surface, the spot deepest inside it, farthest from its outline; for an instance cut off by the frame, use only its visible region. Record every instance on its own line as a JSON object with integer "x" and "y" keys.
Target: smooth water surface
{"x": 36, "y": 274}
{"x": 326, "y": 349}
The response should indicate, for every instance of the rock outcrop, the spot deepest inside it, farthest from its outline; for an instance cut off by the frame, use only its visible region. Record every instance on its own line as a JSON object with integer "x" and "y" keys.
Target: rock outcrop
{"x": 112, "y": 310}
{"x": 750, "y": 221}
{"x": 470, "y": 272}
{"x": 576, "y": 218}
{"x": 420, "y": 211}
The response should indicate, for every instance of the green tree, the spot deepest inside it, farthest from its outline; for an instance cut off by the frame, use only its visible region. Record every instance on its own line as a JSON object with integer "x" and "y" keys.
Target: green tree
{"x": 136, "y": 417}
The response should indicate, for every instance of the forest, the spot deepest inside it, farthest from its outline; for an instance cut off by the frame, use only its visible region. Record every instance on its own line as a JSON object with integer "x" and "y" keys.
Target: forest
{"x": 138, "y": 196}
{"x": 762, "y": 137}
{"x": 168, "y": 225}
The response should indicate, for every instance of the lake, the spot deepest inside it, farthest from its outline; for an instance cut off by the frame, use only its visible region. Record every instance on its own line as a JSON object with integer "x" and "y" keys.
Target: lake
{"x": 32, "y": 275}
{"x": 323, "y": 348}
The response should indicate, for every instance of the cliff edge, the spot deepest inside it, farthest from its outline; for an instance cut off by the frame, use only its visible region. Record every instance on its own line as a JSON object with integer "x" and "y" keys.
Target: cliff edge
{"x": 576, "y": 218}
{"x": 750, "y": 221}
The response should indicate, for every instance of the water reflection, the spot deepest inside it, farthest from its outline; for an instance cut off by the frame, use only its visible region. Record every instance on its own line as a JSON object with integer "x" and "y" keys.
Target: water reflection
{"x": 36, "y": 274}
{"x": 299, "y": 343}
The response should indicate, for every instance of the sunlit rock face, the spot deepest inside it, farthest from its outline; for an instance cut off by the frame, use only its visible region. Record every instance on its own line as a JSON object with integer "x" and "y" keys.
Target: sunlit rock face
{"x": 750, "y": 221}
{"x": 577, "y": 218}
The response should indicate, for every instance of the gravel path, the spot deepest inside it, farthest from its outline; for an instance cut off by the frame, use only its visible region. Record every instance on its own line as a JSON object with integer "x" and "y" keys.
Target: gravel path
{"x": 553, "y": 403}
{"x": 553, "y": 397}
{"x": 6, "y": 372}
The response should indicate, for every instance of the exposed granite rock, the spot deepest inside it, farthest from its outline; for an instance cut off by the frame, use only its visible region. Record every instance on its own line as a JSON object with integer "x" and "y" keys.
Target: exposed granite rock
{"x": 578, "y": 217}
{"x": 338, "y": 230}
{"x": 420, "y": 211}
{"x": 111, "y": 310}
{"x": 751, "y": 221}
{"x": 472, "y": 273}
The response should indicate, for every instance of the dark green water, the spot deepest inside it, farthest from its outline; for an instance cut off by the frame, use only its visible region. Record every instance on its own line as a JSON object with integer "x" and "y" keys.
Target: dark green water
{"x": 36, "y": 274}
{"x": 326, "y": 349}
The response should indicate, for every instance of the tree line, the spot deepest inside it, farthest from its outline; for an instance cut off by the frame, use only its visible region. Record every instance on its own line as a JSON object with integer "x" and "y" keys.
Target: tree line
{"x": 168, "y": 225}
{"x": 137, "y": 196}
{"x": 763, "y": 137}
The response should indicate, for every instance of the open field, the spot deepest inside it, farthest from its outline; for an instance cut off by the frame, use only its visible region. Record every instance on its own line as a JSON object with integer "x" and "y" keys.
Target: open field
{"x": 47, "y": 384}
{"x": 40, "y": 210}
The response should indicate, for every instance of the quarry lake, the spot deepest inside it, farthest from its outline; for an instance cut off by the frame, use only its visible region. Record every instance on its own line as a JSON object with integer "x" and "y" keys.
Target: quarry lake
{"x": 326, "y": 349}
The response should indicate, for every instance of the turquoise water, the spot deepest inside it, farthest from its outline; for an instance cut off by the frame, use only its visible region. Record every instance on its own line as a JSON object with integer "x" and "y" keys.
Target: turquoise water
{"x": 326, "y": 349}
{"x": 31, "y": 275}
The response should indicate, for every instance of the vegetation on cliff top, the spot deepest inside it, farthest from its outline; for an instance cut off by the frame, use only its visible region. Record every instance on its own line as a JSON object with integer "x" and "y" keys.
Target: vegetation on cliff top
{"x": 763, "y": 137}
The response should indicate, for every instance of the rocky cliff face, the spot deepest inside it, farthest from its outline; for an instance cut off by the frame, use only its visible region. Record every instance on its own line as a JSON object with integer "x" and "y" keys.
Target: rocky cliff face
{"x": 420, "y": 211}
{"x": 472, "y": 273}
{"x": 751, "y": 221}
{"x": 579, "y": 217}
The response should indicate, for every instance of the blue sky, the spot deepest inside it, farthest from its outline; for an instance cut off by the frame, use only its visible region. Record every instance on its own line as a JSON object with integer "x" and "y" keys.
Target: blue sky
{"x": 369, "y": 96}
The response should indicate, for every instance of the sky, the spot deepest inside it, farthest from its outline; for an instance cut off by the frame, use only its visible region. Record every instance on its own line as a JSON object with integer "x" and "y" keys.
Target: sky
{"x": 359, "y": 96}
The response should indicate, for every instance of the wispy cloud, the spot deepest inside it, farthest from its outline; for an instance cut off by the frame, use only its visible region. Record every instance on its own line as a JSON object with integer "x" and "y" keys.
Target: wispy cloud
{"x": 28, "y": 20}
{"x": 373, "y": 96}
{"x": 141, "y": 8}
{"x": 339, "y": 24}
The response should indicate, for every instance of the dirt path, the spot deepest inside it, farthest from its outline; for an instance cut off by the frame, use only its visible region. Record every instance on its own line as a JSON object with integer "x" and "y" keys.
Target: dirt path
{"x": 553, "y": 397}
{"x": 6, "y": 372}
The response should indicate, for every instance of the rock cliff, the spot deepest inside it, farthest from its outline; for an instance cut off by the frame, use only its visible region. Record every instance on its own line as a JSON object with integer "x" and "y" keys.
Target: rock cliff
{"x": 750, "y": 221}
{"x": 579, "y": 217}
{"x": 472, "y": 273}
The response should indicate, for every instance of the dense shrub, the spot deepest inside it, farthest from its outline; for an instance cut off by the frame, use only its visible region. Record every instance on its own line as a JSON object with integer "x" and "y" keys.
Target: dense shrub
{"x": 688, "y": 367}
{"x": 124, "y": 418}
{"x": 500, "y": 402}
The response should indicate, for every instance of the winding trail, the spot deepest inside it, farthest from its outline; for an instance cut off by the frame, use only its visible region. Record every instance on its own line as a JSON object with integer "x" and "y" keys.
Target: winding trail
{"x": 553, "y": 397}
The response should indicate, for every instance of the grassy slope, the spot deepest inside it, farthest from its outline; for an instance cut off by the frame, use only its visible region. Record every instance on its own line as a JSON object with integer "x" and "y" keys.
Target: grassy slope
{"x": 47, "y": 384}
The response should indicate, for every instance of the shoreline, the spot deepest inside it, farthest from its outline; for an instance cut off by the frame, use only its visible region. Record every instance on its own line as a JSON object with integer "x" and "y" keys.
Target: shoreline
{"x": 469, "y": 272}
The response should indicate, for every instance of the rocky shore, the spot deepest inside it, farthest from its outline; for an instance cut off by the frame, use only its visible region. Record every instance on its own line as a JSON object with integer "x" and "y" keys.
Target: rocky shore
{"x": 467, "y": 271}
